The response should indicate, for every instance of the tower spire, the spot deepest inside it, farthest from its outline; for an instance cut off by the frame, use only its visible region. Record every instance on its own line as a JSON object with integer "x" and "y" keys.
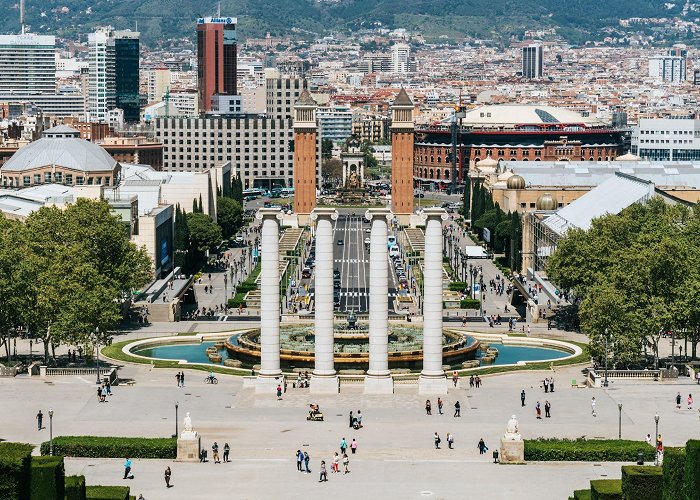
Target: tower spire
{"x": 21, "y": 15}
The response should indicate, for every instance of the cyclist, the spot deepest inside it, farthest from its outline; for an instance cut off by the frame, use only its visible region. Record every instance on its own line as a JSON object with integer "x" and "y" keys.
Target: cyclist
{"x": 211, "y": 377}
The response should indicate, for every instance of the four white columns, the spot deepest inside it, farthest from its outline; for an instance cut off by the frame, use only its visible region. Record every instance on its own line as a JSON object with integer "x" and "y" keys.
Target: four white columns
{"x": 324, "y": 379}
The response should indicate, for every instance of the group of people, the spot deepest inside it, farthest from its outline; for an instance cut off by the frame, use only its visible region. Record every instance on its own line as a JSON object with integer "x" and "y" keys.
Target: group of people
{"x": 302, "y": 459}
{"x": 180, "y": 376}
{"x": 689, "y": 400}
{"x": 303, "y": 380}
{"x": 429, "y": 407}
{"x": 103, "y": 391}
{"x": 356, "y": 420}
{"x": 548, "y": 384}
{"x": 448, "y": 437}
{"x": 74, "y": 355}
{"x": 475, "y": 381}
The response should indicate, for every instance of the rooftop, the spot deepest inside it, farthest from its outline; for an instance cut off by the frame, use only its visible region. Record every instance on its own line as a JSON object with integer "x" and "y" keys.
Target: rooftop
{"x": 517, "y": 114}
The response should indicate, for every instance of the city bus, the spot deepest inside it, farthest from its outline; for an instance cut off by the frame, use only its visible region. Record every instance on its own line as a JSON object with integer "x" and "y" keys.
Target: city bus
{"x": 391, "y": 241}
{"x": 253, "y": 193}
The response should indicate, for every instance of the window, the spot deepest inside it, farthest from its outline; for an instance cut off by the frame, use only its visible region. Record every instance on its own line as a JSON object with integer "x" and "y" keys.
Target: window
{"x": 79, "y": 180}
{"x": 58, "y": 177}
{"x": 37, "y": 178}
{"x": 25, "y": 180}
{"x": 69, "y": 179}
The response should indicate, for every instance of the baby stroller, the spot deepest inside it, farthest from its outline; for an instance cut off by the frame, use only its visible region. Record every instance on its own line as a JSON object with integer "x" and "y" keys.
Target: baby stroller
{"x": 315, "y": 414}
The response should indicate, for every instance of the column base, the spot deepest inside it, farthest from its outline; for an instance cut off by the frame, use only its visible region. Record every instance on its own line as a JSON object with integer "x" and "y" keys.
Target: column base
{"x": 324, "y": 384}
{"x": 379, "y": 385}
{"x": 303, "y": 219}
{"x": 512, "y": 452}
{"x": 188, "y": 448}
{"x": 432, "y": 384}
{"x": 267, "y": 384}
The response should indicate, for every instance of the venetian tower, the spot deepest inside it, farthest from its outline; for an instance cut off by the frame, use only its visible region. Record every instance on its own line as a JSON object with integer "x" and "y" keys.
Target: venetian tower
{"x": 305, "y": 130}
{"x": 402, "y": 129}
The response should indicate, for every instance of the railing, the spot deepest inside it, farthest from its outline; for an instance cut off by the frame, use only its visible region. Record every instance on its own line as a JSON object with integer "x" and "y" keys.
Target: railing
{"x": 52, "y": 372}
{"x": 8, "y": 371}
{"x": 351, "y": 379}
{"x": 595, "y": 378}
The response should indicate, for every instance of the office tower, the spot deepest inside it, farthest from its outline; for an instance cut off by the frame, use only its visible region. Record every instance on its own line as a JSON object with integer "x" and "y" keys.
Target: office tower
{"x": 335, "y": 122}
{"x": 102, "y": 91}
{"x": 532, "y": 61}
{"x": 216, "y": 59}
{"x": 27, "y": 64}
{"x": 126, "y": 74}
{"x": 667, "y": 68}
{"x": 402, "y": 137}
{"x": 401, "y": 60}
{"x": 158, "y": 84}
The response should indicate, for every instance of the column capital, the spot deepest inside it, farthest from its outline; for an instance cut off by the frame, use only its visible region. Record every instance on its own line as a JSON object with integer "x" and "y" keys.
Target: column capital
{"x": 378, "y": 213}
{"x": 434, "y": 213}
{"x": 263, "y": 213}
{"x": 319, "y": 213}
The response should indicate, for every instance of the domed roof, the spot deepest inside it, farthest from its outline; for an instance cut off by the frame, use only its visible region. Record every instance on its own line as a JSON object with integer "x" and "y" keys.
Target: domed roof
{"x": 515, "y": 182}
{"x": 628, "y": 157}
{"x": 510, "y": 115}
{"x": 60, "y": 147}
{"x": 546, "y": 202}
{"x": 487, "y": 164}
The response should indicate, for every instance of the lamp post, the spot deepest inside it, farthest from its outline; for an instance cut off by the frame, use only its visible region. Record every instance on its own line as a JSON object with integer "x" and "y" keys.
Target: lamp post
{"x": 177, "y": 404}
{"x": 619, "y": 421}
{"x": 656, "y": 419}
{"x": 605, "y": 382}
{"x": 50, "y": 432}
{"x": 97, "y": 349}
{"x": 30, "y": 351}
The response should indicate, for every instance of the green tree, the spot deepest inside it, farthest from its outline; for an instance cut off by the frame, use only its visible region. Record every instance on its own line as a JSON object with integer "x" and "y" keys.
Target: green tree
{"x": 229, "y": 216}
{"x": 326, "y": 148}
{"x": 13, "y": 293}
{"x": 181, "y": 242}
{"x": 205, "y": 234}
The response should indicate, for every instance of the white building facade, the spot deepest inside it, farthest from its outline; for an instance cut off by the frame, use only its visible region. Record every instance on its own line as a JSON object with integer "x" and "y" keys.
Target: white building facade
{"x": 664, "y": 139}
{"x": 27, "y": 64}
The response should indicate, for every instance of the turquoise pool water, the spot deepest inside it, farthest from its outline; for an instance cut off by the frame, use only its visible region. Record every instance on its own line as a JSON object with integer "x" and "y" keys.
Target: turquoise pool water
{"x": 197, "y": 353}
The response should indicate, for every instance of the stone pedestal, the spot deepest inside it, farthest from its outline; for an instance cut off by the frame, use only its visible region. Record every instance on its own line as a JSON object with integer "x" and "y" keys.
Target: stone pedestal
{"x": 188, "y": 447}
{"x": 432, "y": 385}
{"x": 379, "y": 385}
{"x": 268, "y": 385}
{"x": 324, "y": 385}
{"x": 512, "y": 452}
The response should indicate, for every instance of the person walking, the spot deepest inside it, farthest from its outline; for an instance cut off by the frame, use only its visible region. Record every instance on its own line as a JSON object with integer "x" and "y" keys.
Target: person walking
{"x": 545, "y": 383}
{"x": 538, "y": 411}
{"x": 306, "y": 463}
{"x": 177, "y": 377}
{"x": 343, "y": 445}
{"x": 335, "y": 467}
{"x": 182, "y": 379}
{"x": 439, "y": 403}
{"x": 168, "y": 473}
{"x": 351, "y": 420}
{"x": 323, "y": 476}
{"x": 227, "y": 449}
{"x": 279, "y": 392}
{"x": 353, "y": 446}
{"x": 690, "y": 401}
{"x": 437, "y": 441}
{"x": 359, "y": 419}
{"x": 678, "y": 400}
{"x": 455, "y": 378}
{"x": 457, "y": 409}
{"x": 39, "y": 420}
{"x": 551, "y": 384}
{"x": 450, "y": 440}
{"x": 482, "y": 446}
{"x": 522, "y": 398}
{"x": 547, "y": 408}
{"x": 593, "y": 406}
{"x": 428, "y": 407}
{"x": 215, "y": 453}
{"x": 300, "y": 459}
{"x": 346, "y": 463}
{"x": 127, "y": 468}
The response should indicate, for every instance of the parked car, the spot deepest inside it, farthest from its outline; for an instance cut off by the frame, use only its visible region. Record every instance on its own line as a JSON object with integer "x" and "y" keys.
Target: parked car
{"x": 340, "y": 242}
{"x": 306, "y": 273}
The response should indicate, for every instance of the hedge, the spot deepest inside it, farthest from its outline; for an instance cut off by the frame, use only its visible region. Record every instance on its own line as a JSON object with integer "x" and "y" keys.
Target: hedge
{"x": 15, "y": 471}
{"x": 692, "y": 469}
{"x": 583, "y": 450}
{"x": 606, "y": 489}
{"x": 673, "y": 473}
{"x": 75, "y": 488}
{"x": 107, "y": 493}
{"x": 112, "y": 447}
{"x": 469, "y": 304}
{"x": 641, "y": 482}
{"x": 48, "y": 477}
{"x": 237, "y": 301}
{"x": 582, "y": 494}
{"x": 457, "y": 286}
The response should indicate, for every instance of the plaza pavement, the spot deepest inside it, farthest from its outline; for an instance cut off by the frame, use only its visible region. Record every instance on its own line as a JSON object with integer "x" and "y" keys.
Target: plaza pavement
{"x": 396, "y": 456}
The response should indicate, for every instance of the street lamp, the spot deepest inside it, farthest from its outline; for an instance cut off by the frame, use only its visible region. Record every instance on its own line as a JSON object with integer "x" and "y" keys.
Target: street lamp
{"x": 619, "y": 421}
{"x": 177, "y": 404}
{"x": 50, "y": 432}
{"x": 605, "y": 382}
{"x": 97, "y": 348}
{"x": 656, "y": 419}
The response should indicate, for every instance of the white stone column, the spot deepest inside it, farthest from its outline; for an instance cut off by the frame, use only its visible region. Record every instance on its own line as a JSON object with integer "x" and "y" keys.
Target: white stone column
{"x": 324, "y": 379}
{"x": 270, "y": 373}
{"x": 378, "y": 379}
{"x": 432, "y": 378}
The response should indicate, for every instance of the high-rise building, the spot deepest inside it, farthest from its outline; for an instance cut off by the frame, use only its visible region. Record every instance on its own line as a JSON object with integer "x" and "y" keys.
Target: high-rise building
{"x": 667, "y": 68}
{"x": 216, "y": 59}
{"x": 335, "y": 122}
{"x": 532, "y": 61}
{"x": 400, "y": 57}
{"x": 126, "y": 74}
{"x": 114, "y": 74}
{"x": 158, "y": 83}
{"x": 696, "y": 77}
{"x": 27, "y": 64}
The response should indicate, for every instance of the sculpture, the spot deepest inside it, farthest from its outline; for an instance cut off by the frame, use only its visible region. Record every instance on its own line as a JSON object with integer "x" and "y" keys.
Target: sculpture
{"x": 512, "y": 433}
{"x": 353, "y": 181}
{"x": 188, "y": 423}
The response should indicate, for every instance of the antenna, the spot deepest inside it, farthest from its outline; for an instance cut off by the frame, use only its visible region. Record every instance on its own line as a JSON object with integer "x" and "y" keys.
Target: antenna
{"x": 218, "y": 9}
{"x": 21, "y": 14}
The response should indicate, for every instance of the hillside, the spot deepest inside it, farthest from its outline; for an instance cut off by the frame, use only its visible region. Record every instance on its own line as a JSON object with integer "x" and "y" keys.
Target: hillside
{"x": 162, "y": 19}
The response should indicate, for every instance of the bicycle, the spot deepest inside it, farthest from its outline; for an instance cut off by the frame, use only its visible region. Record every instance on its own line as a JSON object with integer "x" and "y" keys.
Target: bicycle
{"x": 211, "y": 380}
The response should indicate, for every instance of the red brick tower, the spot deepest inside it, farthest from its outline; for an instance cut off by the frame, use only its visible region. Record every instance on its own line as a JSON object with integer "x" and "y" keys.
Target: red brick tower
{"x": 402, "y": 128}
{"x": 305, "y": 130}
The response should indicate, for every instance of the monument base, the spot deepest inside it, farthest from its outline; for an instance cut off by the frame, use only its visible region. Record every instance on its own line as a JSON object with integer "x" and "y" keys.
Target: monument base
{"x": 324, "y": 385}
{"x": 268, "y": 384}
{"x": 379, "y": 385}
{"x": 512, "y": 452}
{"x": 188, "y": 447}
{"x": 432, "y": 385}
{"x": 404, "y": 219}
{"x": 303, "y": 220}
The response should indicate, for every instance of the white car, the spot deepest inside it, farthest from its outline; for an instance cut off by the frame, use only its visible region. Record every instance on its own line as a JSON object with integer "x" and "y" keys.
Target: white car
{"x": 368, "y": 230}
{"x": 367, "y": 241}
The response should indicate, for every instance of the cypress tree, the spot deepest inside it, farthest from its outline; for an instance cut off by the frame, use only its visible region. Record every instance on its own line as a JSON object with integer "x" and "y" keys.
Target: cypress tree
{"x": 201, "y": 205}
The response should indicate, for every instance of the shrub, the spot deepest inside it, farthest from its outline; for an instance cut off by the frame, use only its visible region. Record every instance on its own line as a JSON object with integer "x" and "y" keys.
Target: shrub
{"x": 606, "y": 489}
{"x": 48, "y": 477}
{"x": 673, "y": 473}
{"x": 469, "y": 304}
{"x": 582, "y": 494}
{"x": 107, "y": 493}
{"x": 238, "y": 300}
{"x": 15, "y": 471}
{"x": 112, "y": 447}
{"x": 457, "y": 286}
{"x": 692, "y": 469}
{"x": 75, "y": 488}
{"x": 583, "y": 450}
{"x": 641, "y": 482}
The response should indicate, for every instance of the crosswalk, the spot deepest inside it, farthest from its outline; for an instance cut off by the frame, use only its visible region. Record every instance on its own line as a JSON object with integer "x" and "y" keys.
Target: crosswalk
{"x": 362, "y": 294}
{"x": 351, "y": 261}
